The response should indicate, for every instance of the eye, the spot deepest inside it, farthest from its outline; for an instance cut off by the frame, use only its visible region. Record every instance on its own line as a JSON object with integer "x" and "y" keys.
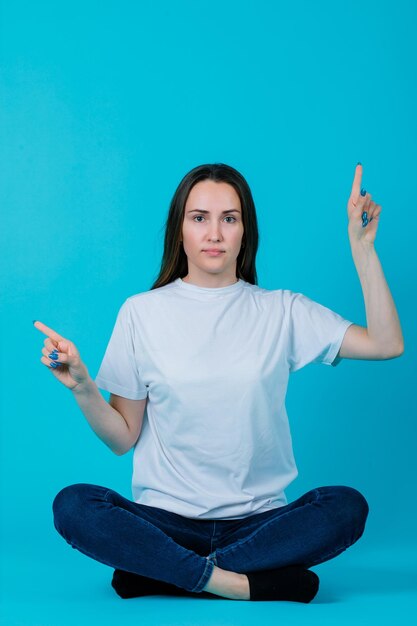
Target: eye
{"x": 227, "y": 217}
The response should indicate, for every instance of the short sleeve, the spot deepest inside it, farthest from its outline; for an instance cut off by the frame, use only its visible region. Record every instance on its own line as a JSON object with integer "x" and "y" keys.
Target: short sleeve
{"x": 118, "y": 372}
{"x": 315, "y": 333}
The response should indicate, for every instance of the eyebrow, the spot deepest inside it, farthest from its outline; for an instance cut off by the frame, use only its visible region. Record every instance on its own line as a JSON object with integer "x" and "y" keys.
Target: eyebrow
{"x": 204, "y": 211}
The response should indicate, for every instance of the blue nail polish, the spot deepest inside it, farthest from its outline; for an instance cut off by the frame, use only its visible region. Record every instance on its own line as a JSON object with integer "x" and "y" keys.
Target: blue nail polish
{"x": 53, "y": 356}
{"x": 54, "y": 365}
{"x": 363, "y": 192}
{"x": 359, "y": 163}
{"x": 364, "y": 215}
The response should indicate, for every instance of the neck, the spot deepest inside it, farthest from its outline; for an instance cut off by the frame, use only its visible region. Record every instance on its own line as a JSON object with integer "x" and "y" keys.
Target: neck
{"x": 186, "y": 279}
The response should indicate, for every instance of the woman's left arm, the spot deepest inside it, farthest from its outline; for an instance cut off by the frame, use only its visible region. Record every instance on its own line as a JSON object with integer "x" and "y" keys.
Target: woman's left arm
{"x": 382, "y": 339}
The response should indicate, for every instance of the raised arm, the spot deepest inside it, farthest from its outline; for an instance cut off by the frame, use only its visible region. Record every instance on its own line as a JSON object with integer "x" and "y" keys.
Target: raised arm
{"x": 382, "y": 339}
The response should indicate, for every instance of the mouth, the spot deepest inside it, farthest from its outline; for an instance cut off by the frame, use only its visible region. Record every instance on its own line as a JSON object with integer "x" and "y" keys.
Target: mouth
{"x": 214, "y": 252}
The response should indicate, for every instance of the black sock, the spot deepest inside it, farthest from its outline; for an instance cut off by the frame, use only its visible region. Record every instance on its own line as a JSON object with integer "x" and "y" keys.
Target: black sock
{"x": 129, "y": 585}
{"x": 293, "y": 582}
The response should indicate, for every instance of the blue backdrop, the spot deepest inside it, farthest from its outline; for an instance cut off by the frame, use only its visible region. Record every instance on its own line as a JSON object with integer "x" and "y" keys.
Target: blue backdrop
{"x": 105, "y": 106}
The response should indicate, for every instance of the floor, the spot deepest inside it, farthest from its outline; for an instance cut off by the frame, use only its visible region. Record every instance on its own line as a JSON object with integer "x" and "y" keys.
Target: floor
{"x": 65, "y": 587}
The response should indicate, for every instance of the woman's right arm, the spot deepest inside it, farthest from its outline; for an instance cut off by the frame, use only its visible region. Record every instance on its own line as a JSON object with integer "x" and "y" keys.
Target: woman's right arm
{"x": 107, "y": 422}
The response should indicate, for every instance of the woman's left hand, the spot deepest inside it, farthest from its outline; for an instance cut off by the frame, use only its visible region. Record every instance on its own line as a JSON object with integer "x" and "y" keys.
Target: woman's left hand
{"x": 362, "y": 228}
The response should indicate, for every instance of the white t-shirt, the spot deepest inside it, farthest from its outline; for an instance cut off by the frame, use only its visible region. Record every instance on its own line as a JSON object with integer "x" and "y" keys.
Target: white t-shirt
{"x": 214, "y": 364}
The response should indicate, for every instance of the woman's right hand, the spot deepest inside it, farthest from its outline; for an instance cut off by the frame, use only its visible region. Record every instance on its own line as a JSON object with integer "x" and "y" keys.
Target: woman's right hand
{"x": 70, "y": 370}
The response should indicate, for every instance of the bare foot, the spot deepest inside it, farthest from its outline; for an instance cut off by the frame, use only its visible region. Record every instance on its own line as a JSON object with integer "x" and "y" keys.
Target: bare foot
{"x": 228, "y": 584}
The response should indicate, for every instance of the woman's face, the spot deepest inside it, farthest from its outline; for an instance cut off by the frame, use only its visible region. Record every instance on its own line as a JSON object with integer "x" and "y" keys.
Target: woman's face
{"x": 212, "y": 219}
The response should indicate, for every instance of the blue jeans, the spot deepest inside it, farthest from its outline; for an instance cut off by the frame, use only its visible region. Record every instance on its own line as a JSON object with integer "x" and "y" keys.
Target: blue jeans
{"x": 183, "y": 551}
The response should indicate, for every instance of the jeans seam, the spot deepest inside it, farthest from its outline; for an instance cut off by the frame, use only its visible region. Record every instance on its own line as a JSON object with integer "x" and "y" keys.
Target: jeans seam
{"x": 240, "y": 542}
{"x": 212, "y": 536}
{"x": 329, "y": 556}
{"x": 213, "y": 557}
{"x": 245, "y": 539}
{"x": 106, "y": 494}
{"x": 205, "y": 576}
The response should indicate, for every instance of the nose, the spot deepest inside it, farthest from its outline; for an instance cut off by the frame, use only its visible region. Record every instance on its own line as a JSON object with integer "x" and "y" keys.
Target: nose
{"x": 214, "y": 233}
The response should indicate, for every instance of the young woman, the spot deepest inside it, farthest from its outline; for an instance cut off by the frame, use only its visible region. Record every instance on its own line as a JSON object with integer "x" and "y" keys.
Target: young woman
{"x": 197, "y": 369}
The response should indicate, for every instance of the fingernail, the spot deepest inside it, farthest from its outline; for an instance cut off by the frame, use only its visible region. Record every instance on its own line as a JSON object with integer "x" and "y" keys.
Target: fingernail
{"x": 364, "y": 215}
{"x": 363, "y": 192}
{"x": 358, "y": 163}
{"x": 33, "y": 321}
{"x": 53, "y": 355}
{"x": 53, "y": 365}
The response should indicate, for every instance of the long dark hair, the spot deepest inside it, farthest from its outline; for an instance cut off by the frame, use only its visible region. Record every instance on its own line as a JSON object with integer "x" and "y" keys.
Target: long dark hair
{"x": 174, "y": 260}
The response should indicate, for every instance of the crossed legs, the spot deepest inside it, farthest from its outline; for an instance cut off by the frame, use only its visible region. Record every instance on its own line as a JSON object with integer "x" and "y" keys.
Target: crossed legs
{"x": 142, "y": 540}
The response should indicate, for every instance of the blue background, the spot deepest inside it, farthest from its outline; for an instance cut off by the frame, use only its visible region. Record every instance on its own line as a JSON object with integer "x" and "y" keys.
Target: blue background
{"x": 105, "y": 106}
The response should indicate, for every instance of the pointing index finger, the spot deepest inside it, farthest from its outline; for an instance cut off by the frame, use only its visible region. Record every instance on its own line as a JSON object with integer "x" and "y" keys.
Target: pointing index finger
{"x": 356, "y": 185}
{"x": 48, "y": 331}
